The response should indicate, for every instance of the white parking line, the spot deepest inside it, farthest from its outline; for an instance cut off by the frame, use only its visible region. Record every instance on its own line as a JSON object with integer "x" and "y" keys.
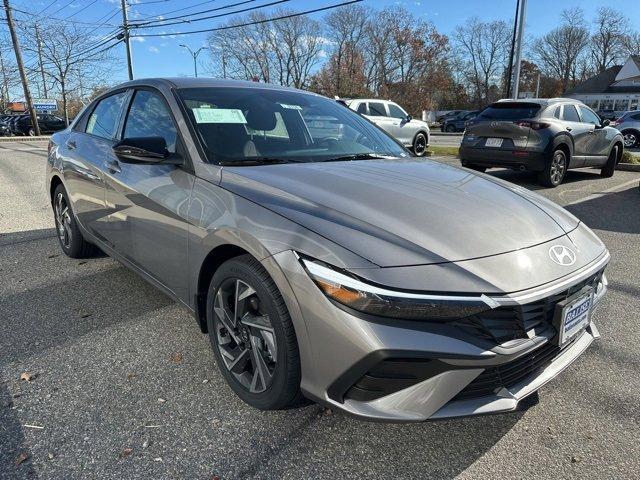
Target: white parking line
{"x": 617, "y": 188}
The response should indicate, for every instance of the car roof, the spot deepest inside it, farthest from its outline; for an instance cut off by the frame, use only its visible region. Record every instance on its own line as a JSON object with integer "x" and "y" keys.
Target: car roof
{"x": 541, "y": 101}
{"x": 203, "y": 82}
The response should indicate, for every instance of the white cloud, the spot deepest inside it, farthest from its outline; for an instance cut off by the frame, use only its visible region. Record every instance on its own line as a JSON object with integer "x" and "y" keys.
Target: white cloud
{"x": 137, "y": 39}
{"x": 153, "y": 49}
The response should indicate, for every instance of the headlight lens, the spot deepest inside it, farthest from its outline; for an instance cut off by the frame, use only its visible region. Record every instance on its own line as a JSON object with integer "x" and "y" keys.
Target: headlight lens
{"x": 378, "y": 301}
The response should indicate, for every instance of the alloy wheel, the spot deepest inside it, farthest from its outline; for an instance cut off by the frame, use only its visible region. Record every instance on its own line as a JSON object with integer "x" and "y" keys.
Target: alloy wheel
{"x": 558, "y": 167}
{"x": 420, "y": 145}
{"x": 629, "y": 139}
{"x": 63, "y": 220}
{"x": 245, "y": 335}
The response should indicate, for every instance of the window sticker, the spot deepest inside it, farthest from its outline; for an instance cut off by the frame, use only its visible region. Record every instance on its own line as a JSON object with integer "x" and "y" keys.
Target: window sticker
{"x": 290, "y": 107}
{"x": 218, "y": 115}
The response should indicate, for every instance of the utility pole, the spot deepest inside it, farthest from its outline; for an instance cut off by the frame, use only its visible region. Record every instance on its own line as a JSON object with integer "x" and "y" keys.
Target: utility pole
{"x": 23, "y": 76}
{"x": 195, "y": 57}
{"x": 127, "y": 41}
{"x": 538, "y": 86}
{"x": 39, "y": 45}
{"x": 521, "y": 20}
{"x": 513, "y": 46}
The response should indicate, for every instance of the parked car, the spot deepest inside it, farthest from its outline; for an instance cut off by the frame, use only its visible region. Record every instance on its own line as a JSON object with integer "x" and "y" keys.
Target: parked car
{"x": 393, "y": 119}
{"x": 334, "y": 267}
{"x": 629, "y": 126}
{"x": 48, "y": 124}
{"x": 547, "y": 136}
{"x": 449, "y": 115}
{"x": 607, "y": 114}
{"x": 5, "y": 130}
{"x": 458, "y": 123}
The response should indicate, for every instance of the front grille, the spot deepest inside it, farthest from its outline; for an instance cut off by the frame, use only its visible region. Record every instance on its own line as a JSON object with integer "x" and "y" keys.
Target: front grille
{"x": 494, "y": 379}
{"x": 503, "y": 324}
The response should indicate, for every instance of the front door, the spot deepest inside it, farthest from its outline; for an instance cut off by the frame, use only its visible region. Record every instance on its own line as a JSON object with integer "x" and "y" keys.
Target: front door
{"x": 580, "y": 132}
{"x": 148, "y": 225}
{"x": 378, "y": 115}
{"x": 598, "y": 148}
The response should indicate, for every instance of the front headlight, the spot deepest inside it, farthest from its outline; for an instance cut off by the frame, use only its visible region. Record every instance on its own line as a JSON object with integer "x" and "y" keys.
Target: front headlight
{"x": 363, "y": 297}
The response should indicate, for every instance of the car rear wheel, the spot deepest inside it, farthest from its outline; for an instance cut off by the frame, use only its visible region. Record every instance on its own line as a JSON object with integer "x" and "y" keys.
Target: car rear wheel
{"x": 450, "y": 129}
{"x": 69, "y": 235}
{"x": 631, "y": 138}
{"x": 555, "y": 170}
{"x": 252, "y": 335}
{"x": 610, "y": 167}
{"x": 420, "y": 144}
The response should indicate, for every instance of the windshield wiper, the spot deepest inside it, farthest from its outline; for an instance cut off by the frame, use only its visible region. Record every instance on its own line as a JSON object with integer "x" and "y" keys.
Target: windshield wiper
{"x": 357, "y": 156}
{"x": 248, "y": 162}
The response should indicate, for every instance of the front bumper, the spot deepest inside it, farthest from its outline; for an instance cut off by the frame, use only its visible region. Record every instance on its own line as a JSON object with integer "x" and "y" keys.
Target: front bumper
{"x": 340, "y": 349}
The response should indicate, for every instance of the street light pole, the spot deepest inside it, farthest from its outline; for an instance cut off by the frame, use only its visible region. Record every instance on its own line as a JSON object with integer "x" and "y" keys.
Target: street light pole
{"x": 516, "y": 74}
{"x": 195, "y": 57}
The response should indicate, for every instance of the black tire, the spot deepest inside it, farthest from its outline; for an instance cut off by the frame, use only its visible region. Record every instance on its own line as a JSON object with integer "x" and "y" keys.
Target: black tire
{"x": 420, "y": 143}
{"x": 631, "y": 138}
{"x": 450, "y": 128}
{"x": 282, "y": 389}
{"x": 69, "y": 235}
{"x": 612, "y": 162}
{"x": 555, "y": 169}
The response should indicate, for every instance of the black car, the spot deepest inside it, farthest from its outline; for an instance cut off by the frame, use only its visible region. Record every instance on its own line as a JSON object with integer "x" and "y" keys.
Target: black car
{"x": 547, "y": 136}
{"x": 449, "y": 115}
{"x": 48, "y": 124}
{"x": 607, "y": 114}
{"x": 458, "y": 123}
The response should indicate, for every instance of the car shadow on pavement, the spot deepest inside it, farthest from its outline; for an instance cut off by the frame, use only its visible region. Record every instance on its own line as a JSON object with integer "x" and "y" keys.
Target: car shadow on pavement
{"x": 530, "y": 179}
{"x": 14, "y": 455}
{"x": 612, "y": 211}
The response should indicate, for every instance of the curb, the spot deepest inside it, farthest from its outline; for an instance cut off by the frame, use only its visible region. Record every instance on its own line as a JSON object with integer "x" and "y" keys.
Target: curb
{"x": 629, "y": 167}
{"x": 41, "y": 138}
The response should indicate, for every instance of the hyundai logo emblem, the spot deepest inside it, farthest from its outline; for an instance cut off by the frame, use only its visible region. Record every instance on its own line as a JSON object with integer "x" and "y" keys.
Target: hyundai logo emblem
{"x": 562, "y": 255}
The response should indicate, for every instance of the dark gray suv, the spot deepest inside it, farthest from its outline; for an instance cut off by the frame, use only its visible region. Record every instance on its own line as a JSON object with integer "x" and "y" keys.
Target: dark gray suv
{"x": 548, "y": 136}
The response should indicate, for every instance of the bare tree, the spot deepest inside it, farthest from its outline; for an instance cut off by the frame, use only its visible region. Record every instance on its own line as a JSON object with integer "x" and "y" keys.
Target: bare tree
{"x": 284, "y": 51}
{"x": 631, "y": 44}
{"x": 483, "y": 49}
{"x": 561, "y": 51}
{"x": 608, "y": 41}
{"x": 69, "y": 54}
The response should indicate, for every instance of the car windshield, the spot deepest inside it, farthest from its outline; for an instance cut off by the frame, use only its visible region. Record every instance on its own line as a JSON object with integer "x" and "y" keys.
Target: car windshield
{"x": 249, "y": 125}
{"x": 510, "y": 111}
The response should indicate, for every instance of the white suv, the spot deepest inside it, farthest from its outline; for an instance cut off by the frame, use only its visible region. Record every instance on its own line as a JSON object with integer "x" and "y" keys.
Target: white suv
{"x": 392, "y": 118}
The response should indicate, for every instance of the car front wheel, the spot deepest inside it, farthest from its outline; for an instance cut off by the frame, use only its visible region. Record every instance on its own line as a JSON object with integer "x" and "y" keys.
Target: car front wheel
{"x": 420, "y": 145}
{"x": 252, "y": 335}
{"x": 610, "y": 167}
{"x": 450, "y": 129}
{"x": 555, "y": 170}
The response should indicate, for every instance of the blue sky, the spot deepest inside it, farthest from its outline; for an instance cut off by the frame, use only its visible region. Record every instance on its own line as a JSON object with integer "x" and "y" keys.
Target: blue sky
{"x": 164, "y": 56}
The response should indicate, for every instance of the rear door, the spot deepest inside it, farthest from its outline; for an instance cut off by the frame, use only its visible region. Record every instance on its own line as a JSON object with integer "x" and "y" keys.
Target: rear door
{"x": 148, "y": 225}
{"x": 89, "y": 150}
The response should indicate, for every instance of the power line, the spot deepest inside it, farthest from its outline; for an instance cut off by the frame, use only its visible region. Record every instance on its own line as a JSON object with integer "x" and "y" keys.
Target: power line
{"x": 83, "y": 8}
{"x": 267, "y": 20}
{"x": 181, "y": 9}
{"x": 191, "y": 20}
{"x": 41, "y": 11}
{"x": 63, "y": 7}
{"x": 94, "y": 25}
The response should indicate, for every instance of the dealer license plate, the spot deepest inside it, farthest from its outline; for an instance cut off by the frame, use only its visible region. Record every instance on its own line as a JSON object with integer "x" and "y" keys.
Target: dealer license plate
{"x": 575, "y": 317}
{"x": 493, "y": 142}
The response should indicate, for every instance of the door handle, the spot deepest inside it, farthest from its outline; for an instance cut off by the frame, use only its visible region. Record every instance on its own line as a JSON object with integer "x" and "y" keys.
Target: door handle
{"x": 569, "y": 129}
{"x": 113, "y": 166}
{"x": 71, "y": 144}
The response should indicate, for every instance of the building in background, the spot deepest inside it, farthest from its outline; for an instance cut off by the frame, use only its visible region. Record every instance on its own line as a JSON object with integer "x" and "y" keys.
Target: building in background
{"x": 615, "y": 89}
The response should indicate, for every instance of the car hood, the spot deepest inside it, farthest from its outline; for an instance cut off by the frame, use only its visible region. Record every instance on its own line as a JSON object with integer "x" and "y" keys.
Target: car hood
{"x": 402, "y": 212}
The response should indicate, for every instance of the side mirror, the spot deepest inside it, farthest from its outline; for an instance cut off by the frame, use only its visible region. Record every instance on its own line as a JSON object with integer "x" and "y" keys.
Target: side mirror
{"x": 605, "y": 123}
{"x": 408, "y": 119}
{"x": 142, "y": 150}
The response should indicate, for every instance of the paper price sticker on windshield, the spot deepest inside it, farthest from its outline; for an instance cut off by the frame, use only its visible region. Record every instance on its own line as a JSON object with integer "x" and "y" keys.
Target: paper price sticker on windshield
{"x": 218, "y": 115}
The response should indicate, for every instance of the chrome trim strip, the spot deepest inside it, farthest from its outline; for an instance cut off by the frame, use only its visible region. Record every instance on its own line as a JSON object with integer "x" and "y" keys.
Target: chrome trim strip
{"x": 536, "y": 294}
{"x": 333, "y": 276}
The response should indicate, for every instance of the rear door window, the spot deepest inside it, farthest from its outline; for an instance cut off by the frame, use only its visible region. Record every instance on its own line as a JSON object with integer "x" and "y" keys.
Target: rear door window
{"x": 104, "y": 119}
{"x": 362, "y": 108}
{"x": 570, "y": 114}
{"x": 377, "y": 109}
{"x": 510, "y": 111}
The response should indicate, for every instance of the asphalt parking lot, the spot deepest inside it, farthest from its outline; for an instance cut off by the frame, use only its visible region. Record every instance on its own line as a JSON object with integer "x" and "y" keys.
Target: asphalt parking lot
{"x": 123, "y": 385}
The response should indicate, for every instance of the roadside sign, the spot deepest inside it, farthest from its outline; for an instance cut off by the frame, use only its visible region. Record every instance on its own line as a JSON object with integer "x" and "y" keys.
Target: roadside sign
{"x": 45, "y": 104}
